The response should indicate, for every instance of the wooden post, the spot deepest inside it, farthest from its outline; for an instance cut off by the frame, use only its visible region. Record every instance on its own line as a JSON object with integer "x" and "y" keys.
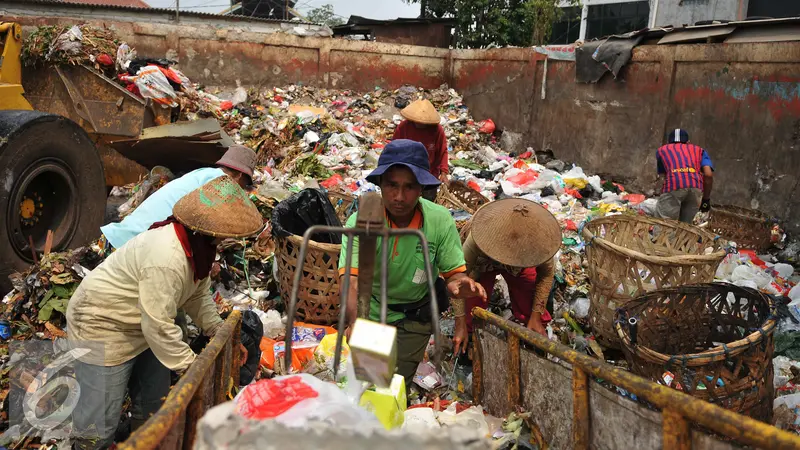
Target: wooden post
{"x": 580, "y": 409}
{"x": 676, "y": 431}
{"x": 513, "y": 371}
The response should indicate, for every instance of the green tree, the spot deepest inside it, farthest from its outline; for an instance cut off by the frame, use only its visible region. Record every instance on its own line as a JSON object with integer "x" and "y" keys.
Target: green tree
{"x": 487, "y": 23}
{"x": 324, "y": 15}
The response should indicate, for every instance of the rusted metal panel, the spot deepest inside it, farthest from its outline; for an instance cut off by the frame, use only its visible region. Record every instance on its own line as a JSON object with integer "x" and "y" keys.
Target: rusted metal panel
{"x": 495, "y": 374}
{"x": 546, "y": 390}
{"x": 607, "y": 428}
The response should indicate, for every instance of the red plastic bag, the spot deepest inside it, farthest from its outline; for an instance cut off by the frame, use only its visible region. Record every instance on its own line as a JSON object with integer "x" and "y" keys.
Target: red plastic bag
{"x": 634, "y": 199}
{"x": 226, "y": 105}
{"x": 526, "y": 155}
{"x": 570, "y": 225}
{"x": 486, "y": 126}
{"x": 474, "y": 186}
{"x": 573, "y": 192}
{"x": 267, "y": 399}
{"x": 332, "y": 181}
{"x": 521, "y": 179}
{"x": 105, "y": 60}
{"x": 520, "y": 164}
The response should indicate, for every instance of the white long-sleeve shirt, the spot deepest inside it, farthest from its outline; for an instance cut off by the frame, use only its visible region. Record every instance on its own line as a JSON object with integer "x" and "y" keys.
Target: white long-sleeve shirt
{"x": 129, "y": 302}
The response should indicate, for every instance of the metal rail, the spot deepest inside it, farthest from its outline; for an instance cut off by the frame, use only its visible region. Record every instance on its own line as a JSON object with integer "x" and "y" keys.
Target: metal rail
{"x": 384, "y": 233}
{"x": 206, "y": 383}
{"x": 678, "y": 408}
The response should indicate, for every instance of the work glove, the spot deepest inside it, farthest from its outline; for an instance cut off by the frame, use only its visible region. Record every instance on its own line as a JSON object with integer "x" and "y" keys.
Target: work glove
{"x": 706, "y": 205}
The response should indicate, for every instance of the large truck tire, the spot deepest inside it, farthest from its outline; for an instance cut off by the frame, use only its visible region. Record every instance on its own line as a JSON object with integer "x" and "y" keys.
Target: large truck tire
{"x": 51, "y": 178}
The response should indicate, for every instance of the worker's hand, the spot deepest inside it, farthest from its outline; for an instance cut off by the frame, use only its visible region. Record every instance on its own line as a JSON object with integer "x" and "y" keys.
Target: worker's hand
{"x": 444, "y": 177}
{"x": 466, "y": 287}
{"x": 213, "y": 330}
{"x": 535, "y": 324}
{"x": 460, "y": 337}
{"x": 706, "y": 205}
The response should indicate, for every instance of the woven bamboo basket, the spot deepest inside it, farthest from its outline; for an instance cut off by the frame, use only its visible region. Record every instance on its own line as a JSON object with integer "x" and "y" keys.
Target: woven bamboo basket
{"x": 713, "y": 341}
{"x": 748, "y": 228}
{"x": 318, "y": 298}
{"x": 341, "y": 204}
{"x": 457, "y": 195}
{"x": 631, "y": 255}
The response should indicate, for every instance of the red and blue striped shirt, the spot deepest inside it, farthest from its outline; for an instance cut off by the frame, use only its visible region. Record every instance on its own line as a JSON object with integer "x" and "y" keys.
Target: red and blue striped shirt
{"x": 682, "y": 164}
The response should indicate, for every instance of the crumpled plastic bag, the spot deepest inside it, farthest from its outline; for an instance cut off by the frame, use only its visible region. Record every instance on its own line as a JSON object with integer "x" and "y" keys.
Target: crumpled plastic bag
{"x": 153, "y": 84}
{"x": 68, "y": 42}
{"x": 125, "y": 54}
{"x": 296, "y": 400}
{"x": 471, "y": 418}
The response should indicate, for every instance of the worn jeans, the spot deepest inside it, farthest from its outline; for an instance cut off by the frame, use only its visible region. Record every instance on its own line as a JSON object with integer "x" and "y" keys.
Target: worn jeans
{"x": 100, "y": 403}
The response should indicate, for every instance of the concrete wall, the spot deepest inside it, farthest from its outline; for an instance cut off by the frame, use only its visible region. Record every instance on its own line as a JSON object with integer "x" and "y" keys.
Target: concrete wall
{"x": 689, "y": 12}
{"x": 741, "y": 102}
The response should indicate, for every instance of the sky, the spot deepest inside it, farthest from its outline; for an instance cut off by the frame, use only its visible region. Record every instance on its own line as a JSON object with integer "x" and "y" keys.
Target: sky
{"x": 388, "y": 9}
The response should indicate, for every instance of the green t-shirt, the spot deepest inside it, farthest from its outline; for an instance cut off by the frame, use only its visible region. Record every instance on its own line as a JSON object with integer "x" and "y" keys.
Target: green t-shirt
{"x": 406, "y": 268}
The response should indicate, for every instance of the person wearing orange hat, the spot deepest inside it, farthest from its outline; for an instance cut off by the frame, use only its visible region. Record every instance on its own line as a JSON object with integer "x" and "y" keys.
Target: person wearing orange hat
{"x": 422, "y": 124}
{"x": 516, "y": 239}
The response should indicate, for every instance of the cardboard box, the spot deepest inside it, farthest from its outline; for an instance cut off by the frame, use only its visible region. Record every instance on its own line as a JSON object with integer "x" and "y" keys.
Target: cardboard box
{"x": 388, "y": 404}
{"x": 373, "y": 347}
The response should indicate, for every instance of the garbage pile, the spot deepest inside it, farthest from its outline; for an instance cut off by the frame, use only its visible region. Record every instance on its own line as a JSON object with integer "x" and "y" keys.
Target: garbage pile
{"x": 331, "y": 139}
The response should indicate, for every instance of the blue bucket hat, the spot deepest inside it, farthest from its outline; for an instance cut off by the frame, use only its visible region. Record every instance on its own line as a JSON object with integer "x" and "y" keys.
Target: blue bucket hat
{"x": 678, "y": 135}
{"x": 408, "y": 153}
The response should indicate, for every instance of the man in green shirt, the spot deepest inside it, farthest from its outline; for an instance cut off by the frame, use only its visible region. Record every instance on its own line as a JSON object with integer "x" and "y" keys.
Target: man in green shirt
{"x": 402, "y": 173}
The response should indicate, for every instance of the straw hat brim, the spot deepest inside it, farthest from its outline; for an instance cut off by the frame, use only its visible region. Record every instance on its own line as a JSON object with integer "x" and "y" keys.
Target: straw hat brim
{"x": 421, "y": 111}
{"x": 219, "y": 208}
{"x": 516, "y": 232}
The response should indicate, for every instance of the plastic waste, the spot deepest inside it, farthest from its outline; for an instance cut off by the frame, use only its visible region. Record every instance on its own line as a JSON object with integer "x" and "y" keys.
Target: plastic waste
{"x": 296, "y": 400}
{"x": 274, "y": 189}
{"x": 784, "y": 270}
{"x": 420, "y": 420}
{"x": 153, "y": 84}
{"x": 68, "y": 42}
{"x": 471, "y": 418}
{"x": 125, "y": 54}
{"x": 581, "y": 308}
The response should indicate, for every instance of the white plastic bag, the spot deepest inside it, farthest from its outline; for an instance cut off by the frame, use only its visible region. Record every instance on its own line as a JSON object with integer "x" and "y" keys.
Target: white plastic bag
{"x": 153, "y": 84}
{"x": 124, "y": 57}
{"x": 471, "y": 417}
{"x": 68, "y": 42}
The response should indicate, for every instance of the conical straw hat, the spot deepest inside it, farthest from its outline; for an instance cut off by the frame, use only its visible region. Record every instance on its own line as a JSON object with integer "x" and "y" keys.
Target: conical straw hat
{"x": 219, "y": 208}
{"x": 516, "y": 232}
{"x": 421, "y": 111}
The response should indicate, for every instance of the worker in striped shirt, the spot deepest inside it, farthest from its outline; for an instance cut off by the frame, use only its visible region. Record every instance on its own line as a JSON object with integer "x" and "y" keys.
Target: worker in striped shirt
{"x": 688, "y": 174}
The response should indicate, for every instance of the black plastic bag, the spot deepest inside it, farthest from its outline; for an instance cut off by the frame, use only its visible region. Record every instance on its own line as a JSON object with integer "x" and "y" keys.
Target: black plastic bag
{"x": 252, "y": 332}
{"x": 301, "y": 211}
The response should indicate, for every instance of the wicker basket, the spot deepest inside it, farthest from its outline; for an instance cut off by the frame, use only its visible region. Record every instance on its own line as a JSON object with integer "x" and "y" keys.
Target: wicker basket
{"x": 631, "y": 255}
{"x": 458, "y": 195}
{"x": 318, "y": 298}
{"x": 748, "y": 228}
{"x": 342, "y": 204}
{"x": 712, "y": 341}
